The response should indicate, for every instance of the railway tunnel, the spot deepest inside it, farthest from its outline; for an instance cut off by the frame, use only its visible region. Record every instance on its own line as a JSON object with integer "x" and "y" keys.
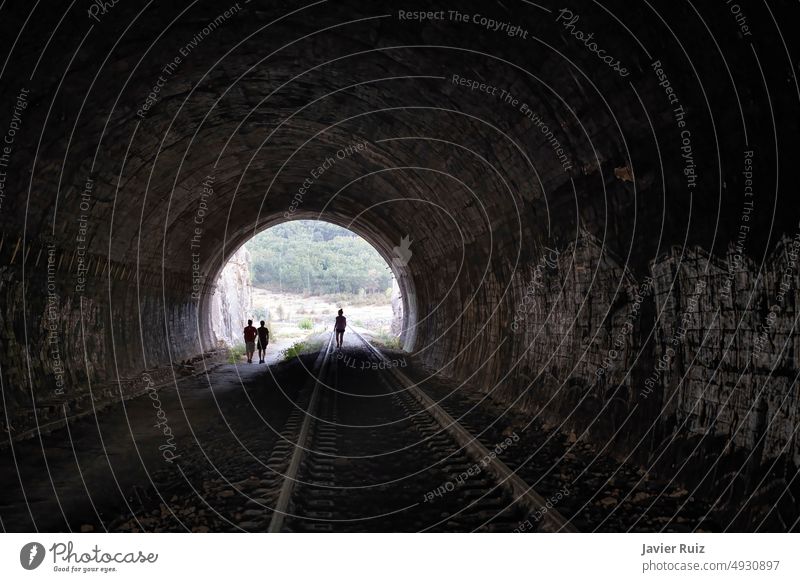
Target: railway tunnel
{"x": 585, "y": 208}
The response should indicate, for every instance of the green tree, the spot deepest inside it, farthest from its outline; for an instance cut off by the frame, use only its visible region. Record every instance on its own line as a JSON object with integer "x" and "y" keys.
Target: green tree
{"x": 317, "y": 258}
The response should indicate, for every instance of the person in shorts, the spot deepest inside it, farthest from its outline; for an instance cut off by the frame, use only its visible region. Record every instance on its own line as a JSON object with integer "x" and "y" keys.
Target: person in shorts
{"x": 250, "y": 334}
{"x": 341, "y": 324}
{"x": 263, "y": 342}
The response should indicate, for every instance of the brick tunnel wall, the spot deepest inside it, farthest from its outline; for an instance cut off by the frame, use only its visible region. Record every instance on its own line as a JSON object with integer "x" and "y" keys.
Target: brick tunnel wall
{"x": 76, "y": 340}
{"x": 690, "y": 370}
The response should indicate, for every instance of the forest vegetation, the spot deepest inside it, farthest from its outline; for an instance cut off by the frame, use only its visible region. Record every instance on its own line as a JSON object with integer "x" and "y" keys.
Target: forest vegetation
{"x": 311, "y": 257}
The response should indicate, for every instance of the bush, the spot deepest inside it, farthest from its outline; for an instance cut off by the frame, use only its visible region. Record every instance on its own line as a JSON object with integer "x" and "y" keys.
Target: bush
{"x": 306, "y": 324}
{"x": 344, "y": 300}
{"x": 235, "y": 353}
{"x": 392, "y": 343}
{"x": 387, "y": 340}
{"x": 294, "y": 350}
{"x": 299, "y": 348}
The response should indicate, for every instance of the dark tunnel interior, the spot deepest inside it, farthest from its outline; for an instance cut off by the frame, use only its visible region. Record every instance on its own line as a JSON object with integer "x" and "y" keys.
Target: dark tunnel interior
{"x": 603, "y": 237}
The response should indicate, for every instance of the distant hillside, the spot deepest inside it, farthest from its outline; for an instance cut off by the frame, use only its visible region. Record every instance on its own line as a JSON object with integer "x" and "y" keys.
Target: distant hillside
{"x": 318, "y": 258}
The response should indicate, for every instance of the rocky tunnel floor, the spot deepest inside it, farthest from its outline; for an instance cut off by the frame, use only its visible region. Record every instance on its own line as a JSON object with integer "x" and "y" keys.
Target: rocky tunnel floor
{"x": 118, "y": 472}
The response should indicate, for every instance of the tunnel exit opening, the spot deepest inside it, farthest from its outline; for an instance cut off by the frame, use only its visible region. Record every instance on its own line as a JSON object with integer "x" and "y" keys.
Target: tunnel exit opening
{"x": 295, "y": 276}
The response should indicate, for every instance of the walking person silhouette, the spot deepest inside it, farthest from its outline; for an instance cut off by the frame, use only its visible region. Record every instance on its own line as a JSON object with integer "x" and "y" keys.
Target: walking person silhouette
{"x": 339, "y": 327}
{"x": 250, "y": 334}
{"x": 263, "y": 342}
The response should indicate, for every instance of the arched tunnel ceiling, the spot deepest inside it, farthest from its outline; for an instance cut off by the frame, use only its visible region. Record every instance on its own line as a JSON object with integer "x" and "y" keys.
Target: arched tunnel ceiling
{"x": 262, "y": 97}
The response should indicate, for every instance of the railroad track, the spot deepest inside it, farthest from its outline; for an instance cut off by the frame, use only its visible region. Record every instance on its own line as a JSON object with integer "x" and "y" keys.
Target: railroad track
{"x": 353, "y": 444}
{"x": 372, "y": 452}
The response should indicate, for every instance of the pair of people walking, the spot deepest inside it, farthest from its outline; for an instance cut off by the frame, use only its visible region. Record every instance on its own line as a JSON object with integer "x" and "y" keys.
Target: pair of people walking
{"x": 253, "y": 336}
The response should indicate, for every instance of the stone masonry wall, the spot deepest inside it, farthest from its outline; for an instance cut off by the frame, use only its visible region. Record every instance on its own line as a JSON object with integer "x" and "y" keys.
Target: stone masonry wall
{"x": 693, "y": 359}
{"x": 66, "y": 344}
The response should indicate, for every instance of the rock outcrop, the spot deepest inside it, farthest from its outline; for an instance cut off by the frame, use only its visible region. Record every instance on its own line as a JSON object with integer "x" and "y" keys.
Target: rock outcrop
{"x": 233, "y": 299}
